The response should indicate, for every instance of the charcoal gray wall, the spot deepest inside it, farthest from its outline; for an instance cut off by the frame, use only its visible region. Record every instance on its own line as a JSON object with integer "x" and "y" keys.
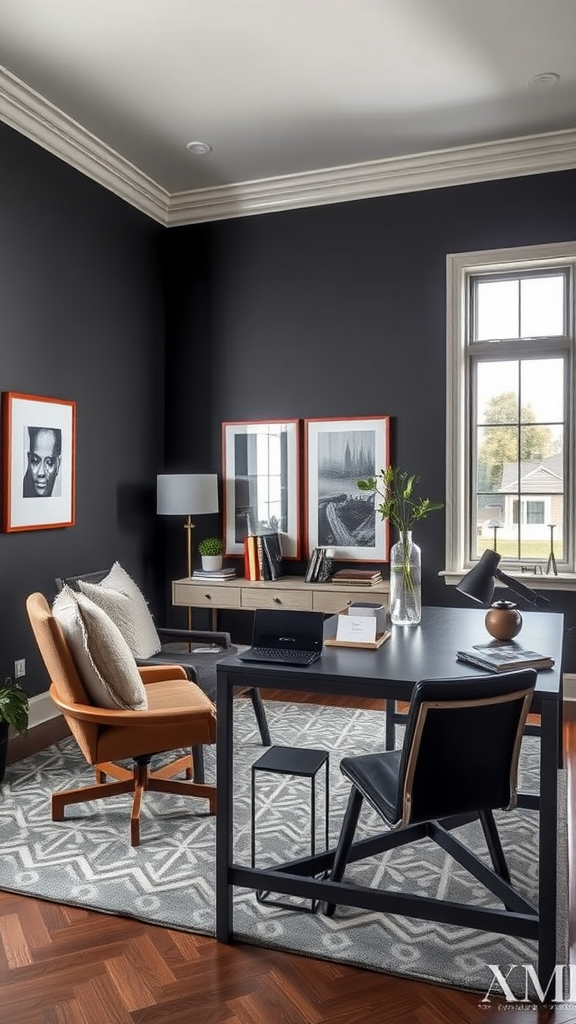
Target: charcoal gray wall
{"x": 335, "y": 311}
{"x": 340, "y": 311}
{"x": 82, "y": 318}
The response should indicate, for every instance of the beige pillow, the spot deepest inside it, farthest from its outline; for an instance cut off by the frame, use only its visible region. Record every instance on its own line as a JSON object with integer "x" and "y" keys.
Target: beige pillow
{"x": 102, "y": 657}
{"x": 120, "y": 597}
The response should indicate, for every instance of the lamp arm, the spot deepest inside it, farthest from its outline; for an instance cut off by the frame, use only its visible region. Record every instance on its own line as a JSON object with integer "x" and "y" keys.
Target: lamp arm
{"x": 538, "y": 600}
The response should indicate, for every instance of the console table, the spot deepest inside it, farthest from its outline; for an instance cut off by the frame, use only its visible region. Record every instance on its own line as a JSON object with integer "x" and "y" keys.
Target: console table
{"x": 289, "y": 592}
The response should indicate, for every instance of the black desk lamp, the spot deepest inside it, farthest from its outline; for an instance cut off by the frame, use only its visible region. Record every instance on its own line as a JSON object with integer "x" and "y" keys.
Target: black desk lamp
{"x": 503, "y": 620}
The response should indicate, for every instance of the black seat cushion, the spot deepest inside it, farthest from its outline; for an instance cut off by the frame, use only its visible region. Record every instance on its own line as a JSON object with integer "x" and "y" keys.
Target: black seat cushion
{"x": 376, "y": 776}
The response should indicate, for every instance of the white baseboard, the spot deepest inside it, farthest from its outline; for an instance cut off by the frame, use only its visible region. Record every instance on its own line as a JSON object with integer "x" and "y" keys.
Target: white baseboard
{"x": 42, "y": 709}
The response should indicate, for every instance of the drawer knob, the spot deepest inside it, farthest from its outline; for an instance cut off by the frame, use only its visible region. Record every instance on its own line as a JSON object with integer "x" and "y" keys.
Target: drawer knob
{"x": 277, "y": 600}
{"x": 208, "y": 597}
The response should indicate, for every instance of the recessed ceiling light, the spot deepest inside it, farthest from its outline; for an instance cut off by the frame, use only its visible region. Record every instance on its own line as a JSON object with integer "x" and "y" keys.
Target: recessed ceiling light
{"x": 545, "y": 80}
{"x": 198, "y": 148}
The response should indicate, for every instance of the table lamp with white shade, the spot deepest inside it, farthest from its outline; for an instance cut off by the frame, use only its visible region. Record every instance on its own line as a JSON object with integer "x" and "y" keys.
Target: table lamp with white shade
{"x": 188, "y": 495}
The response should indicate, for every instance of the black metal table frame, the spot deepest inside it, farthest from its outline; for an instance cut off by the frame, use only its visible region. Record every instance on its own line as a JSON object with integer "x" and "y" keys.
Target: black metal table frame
{"x": 361, "y": 677}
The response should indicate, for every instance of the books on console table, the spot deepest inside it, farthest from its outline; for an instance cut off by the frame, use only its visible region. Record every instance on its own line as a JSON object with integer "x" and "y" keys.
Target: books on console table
{"x": 214, "y": 574}
{"x": 504, "y": 656}
{"x": 357, "y": 577}
{"x": 262, "y": 556}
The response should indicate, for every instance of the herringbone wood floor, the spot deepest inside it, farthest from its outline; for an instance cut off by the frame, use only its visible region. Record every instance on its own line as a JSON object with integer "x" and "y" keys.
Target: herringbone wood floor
{"x": 62, "y": 965}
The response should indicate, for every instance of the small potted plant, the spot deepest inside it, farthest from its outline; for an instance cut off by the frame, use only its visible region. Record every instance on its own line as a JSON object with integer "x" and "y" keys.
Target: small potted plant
{"x": 14, "y": 708}
{"x": 211, "y": 549}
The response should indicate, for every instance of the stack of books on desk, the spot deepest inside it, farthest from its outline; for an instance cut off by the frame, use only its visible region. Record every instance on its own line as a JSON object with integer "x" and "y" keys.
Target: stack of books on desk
{"x": 502, "y": 656}
{"x": 357, "y": 577}
{"x": 214, "y": 574}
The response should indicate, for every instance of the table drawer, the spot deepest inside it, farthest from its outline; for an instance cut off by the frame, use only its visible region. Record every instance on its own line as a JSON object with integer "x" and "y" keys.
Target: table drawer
{"x": 324, "y": 602}
{"x": 206, "y": 597}
{"x": 296, "y": 600}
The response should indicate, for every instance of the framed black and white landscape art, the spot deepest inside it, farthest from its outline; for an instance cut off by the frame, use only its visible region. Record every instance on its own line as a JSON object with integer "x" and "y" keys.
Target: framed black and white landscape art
{"x": 39, "y": 452}
{"x": 339, "y": 452}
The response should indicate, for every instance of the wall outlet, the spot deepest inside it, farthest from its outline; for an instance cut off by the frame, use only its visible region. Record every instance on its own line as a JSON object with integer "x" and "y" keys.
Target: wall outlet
{"x": 20, "y": 668}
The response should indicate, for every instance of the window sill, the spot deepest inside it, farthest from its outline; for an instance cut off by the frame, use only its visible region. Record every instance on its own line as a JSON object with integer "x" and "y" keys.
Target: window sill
{"x": 563, "y": 581}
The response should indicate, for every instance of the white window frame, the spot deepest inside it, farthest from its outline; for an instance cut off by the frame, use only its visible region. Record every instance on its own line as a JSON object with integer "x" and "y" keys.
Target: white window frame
{"x": 459, "y": 268}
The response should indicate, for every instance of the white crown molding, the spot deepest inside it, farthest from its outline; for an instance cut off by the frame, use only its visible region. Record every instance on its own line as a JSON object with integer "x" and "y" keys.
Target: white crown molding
{"x": 531, "y": 154}
{"x": 31, "y": 115}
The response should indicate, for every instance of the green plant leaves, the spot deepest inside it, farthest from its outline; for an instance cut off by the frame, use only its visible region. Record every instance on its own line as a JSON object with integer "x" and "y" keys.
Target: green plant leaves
{"x": 14, "y": 704}
{"x": 399, "y": 504}
{"x": 211, "y": 546}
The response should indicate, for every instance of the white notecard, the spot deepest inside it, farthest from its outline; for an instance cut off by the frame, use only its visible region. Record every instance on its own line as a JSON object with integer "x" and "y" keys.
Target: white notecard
{"x": 358, "y": 628}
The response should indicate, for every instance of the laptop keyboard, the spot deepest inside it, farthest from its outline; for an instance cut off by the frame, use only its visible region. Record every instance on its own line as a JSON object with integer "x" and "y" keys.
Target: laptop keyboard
{"x": 269, "y": 653}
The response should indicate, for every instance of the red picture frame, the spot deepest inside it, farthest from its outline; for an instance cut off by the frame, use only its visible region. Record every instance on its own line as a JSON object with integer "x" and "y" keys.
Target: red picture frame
{"x": 39, "y": 460}
{"x": 254, "y": 500}
{"x": 338, "y": 453}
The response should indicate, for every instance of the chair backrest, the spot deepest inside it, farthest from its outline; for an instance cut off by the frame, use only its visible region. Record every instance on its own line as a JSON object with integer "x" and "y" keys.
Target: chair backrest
{"x": 86, "y": 577}
{"x": 200, "y": 668}
{"x": 462, "y": 745}
{"x": 61, "y": 668}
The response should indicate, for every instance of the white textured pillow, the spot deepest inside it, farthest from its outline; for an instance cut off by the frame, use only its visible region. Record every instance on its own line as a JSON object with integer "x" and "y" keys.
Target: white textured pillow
{"x": 120, "y": 597}
{"x": 101, "y": 655}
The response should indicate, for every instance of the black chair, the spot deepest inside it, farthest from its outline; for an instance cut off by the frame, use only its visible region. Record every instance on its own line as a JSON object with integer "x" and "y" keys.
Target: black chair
{"x": 200, "y": 668}
{"x": 459, "y": 762}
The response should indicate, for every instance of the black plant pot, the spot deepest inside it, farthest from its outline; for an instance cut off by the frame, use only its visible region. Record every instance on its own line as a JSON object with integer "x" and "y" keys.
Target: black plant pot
{"x": 3, "y": 748}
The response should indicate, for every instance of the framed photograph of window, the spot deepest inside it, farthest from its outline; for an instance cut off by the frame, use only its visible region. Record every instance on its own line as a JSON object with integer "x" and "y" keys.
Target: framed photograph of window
{"x": 39, "y": 452}
{"x": 261, "y": 474}
{"x": 339, "y": 452}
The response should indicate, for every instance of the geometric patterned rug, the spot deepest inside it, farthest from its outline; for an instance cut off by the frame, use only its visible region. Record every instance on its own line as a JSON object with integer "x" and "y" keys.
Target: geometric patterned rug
{"x": 87, "y": 860}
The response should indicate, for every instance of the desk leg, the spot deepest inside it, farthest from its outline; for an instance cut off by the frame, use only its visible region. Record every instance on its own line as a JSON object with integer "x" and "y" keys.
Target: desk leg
{"x": 390, "y": 727}
{"x": 224, "y": 807}
{"x": 548, "y": 840}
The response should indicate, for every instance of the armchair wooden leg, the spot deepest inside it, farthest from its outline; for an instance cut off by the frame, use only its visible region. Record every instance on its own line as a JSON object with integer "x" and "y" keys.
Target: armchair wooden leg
{"x": 80, "y": 796}
{"x": 183, "y": 764}
{"x": 141, "y": 783}
{"x": 115, "y": 771}
{"x": 347, "y": 831}
{"x": 137, "y": 782}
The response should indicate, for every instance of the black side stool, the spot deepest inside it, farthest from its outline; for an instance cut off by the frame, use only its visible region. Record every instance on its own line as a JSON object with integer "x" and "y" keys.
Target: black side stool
{"x": 306, "y": 763}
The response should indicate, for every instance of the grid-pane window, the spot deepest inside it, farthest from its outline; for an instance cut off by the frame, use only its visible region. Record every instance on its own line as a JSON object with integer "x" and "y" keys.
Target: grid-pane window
{"x": 520, "y": 432}
{"x": 511, "y": 356}
{"x": 520, "y": 307}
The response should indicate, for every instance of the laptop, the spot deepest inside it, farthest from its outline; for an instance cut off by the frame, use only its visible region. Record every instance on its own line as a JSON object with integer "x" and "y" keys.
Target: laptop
{"x": 285, "y": 638}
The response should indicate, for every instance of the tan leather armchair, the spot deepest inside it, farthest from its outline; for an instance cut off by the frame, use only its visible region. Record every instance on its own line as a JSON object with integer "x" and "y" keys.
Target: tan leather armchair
{"x": 178, "y": 715}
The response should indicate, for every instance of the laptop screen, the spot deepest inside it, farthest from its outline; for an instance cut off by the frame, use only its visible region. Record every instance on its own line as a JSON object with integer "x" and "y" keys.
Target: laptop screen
{"x": 288, "y": 630}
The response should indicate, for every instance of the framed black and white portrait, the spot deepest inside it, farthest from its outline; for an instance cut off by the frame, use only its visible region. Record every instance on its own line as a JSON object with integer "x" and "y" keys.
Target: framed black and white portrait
{"x": 39, "y": 452}
{"x": 260, "y": 468}
{"x": 339, "y": 452}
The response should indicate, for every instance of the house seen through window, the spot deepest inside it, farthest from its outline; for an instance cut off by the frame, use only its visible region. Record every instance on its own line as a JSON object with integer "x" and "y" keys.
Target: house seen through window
{"x": 510, "y": 416}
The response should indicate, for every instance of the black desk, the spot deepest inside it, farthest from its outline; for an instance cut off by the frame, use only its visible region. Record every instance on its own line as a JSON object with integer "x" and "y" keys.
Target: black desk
{"x": 412, "y": 653}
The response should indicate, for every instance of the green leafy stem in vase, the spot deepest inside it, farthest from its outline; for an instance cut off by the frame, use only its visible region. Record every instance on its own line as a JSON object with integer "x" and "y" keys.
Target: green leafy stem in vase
{"x": 400, "y": 506}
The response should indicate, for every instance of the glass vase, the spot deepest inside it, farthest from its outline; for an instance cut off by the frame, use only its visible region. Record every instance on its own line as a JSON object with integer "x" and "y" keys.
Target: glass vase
{"x": 405, "y": 582}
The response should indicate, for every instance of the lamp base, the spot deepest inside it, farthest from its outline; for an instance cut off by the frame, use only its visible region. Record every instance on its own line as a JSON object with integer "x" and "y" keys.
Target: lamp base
{"x": 503, "y": 620}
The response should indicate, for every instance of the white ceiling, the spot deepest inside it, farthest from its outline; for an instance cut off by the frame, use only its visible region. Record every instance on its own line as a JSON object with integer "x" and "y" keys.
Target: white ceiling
{"x": 283, "y": 88}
